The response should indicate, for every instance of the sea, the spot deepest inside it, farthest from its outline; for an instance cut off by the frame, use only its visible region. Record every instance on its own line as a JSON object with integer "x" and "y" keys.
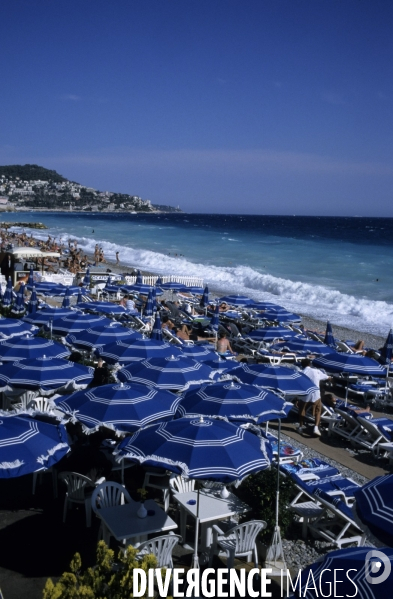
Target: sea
{"x": 330, "y": 268}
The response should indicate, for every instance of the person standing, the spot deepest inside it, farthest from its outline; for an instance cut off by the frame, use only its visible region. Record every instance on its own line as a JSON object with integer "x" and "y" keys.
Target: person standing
{"x": 314, "y": 398}
{"x": 117, "y": 258}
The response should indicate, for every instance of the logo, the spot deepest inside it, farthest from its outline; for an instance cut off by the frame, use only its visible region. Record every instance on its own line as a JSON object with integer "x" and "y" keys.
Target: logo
{"x": 378, "y": 567}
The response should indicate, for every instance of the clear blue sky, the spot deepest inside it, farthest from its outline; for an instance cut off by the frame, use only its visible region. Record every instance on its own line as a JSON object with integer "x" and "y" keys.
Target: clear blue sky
{"x": 244, "y": 106}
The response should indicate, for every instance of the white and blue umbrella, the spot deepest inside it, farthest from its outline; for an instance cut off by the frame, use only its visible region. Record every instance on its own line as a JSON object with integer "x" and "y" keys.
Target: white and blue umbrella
{"x": 139, "y": 278}
{"x": 44, "y": 287}
{"x": 33, "y": 302}
{"x": 45, "y": 315}
{"x": 269, "y": 333}
{"x": 193, "y": 289}
{"x": 172, "y": 286}
{"x": 235, "y": 402}
{"x": 63, "y": 291}
{"x": 28, "y": 445}
{"x": 134, "y": 350}
{"x": 121, "y": 407}
{"x": 215, "y": 321}
{"x": 19, "y": 307}
{"x": 30, "y": 280}
{"x": 11, "y": 327}
{"x": 279, "y": 378}
{"x": 156, "y": 333}
{"x": 220, "y": 364}
{"x": 26, "y": 348}
{"x": 350, "y": 572}
{"x": 205, "y": 298}
{"x": 200, "y": 448}
{"x": 104, "y": 308}
{"x": 77, "y": 322}
{"x": 101, "y": 336}
{"x": 173, "y": 372}
{"x": 261, "y": 306}
{"x": 329, "y": 337}
{"x": 66, "y": 299}
{"x": 109, "y": 287}
{"x": 44, "y": 374}
{"x": 7, "y": 297}
{"x": 149, "y": 307}
{"x": 200, "y": 352}
{"x": 236, "y": 300}
{"x": 87, "y": 278}
{"x": 302, "y": 345}
{"x": 374, "y": 506}
{"x": 352, "y": 363}
{"x": 280, "y": 316}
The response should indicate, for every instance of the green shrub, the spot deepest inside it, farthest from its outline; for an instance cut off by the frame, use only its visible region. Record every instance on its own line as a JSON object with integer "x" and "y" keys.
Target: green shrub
{"x": 107, "y": 580}
{"x": 259, "y": 491}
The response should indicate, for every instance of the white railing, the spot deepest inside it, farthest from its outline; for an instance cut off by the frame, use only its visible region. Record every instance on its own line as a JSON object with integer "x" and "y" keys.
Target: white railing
{"x": 184, "y": 280}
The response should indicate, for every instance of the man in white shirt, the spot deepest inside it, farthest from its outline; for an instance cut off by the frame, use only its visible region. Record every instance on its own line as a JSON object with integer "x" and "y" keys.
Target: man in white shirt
{"x": 313, "y": 398}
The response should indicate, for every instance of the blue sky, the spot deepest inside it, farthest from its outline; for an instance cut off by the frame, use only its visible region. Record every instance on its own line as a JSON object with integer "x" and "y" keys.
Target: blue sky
{"x": 243, "y": 106}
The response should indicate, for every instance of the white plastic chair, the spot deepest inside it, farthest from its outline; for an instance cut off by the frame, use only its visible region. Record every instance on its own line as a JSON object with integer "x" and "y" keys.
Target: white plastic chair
{"x": 79, "y": 490}
{"x": 42, "y": 404}
{"x": 161, "y": 547}
{"x": 179, "y": 484}
{"x": 108, "y": 494}
{"x": 239, "y": 541}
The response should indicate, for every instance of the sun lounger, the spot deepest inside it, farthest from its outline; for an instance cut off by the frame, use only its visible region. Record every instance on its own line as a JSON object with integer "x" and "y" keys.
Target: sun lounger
{"x": 373, "y": 432}
{"x": 336, "y": 522}
{"x": 347, "y": 426}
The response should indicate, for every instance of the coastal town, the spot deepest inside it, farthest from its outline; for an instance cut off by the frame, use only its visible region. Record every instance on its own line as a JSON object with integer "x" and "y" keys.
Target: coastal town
{"x": 31, "y": 187}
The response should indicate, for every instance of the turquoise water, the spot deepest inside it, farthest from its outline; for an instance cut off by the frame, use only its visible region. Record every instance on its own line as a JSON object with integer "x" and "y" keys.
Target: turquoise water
{"x": 336, "y": 268}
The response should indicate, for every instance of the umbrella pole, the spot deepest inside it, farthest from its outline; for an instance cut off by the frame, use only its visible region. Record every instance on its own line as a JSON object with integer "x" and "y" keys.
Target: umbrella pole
{"x": 275, "y": 555}
{"x": 195, "y": 560}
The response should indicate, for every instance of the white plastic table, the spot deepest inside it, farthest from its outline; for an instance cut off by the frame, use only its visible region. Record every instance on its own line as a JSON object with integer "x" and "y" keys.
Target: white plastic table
{"x": 123, "y": 522}
{"x": 212, "y": 508}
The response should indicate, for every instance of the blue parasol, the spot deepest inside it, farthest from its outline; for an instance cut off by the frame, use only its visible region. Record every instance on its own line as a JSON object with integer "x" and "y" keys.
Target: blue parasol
{"x": 279, "y": 378}
{"x": 156, "y": 333}
{"x": 350, "y": 572}
{"x": 374, "y": 507}
{"x": 205, "y": 298}
{"x": 18, "y": 306}
{"x": 235, "y": 402}
{"x": 302, "y": 345}
{"x": 77, "y": 322}
{"x": 102, "y": 335}
{"x": 148, "y": 309}
{"x": 103, "y": 308}
{"x": 66, "y": 299}
{"x": 87, "y": 278}
{"x": 280, "y": 316}
{"x": 199, "y": 352}
{"x": 33, "y": 302}
{"x": 172, "y": 286}
{"x": 199, "y": 448}
{"x": 136, "y": 349}
{"x": 270, "y": 333}
{"x": 10, "y": 327}
{"x": 25, "y": 348}
{"x": 352, "y": 363}
{"x": 121, "y": 407}
{"x": 215, "y": 321}
{"x": 28, "y": 445}
{"x": 329, "y": 338}
{"x": 236, "y": 300}
{"x": 44, "y": 374}
{"x": 45, "y": 315}
{"x": 139, "y": 278}
{"x": 172, "y": 372}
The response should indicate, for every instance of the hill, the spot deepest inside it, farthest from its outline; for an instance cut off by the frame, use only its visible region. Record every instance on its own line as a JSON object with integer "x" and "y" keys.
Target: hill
{"x": 31, "y": 172}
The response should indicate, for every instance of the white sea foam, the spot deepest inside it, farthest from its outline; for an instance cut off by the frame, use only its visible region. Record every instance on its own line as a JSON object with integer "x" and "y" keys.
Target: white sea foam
{"x": 318, "y": 301}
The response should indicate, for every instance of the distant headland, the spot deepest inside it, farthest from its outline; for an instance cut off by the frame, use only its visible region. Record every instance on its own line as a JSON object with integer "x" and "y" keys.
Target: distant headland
{"x": 33, "y": 187}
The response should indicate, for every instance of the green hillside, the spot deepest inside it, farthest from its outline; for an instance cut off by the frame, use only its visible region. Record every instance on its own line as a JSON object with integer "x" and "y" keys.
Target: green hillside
{"x": 31, "y": 172}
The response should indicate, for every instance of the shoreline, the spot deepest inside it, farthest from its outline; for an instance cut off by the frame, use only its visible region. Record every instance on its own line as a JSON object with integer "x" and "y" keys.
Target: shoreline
{"x": 310, "y": 323}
